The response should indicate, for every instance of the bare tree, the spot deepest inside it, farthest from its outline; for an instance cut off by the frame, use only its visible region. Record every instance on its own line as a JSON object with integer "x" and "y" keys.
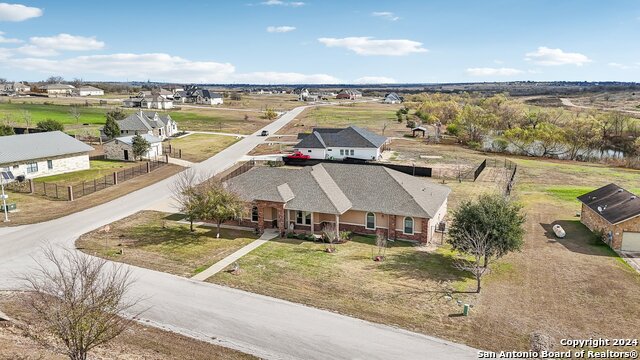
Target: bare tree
{"x": 381, "y": 244}
{"x": 475, "y": 245}
{"x": 26, "y": 116}
{"x": 76, "y": 300}
{"x": 185, "y": 193}
{"x": 330, "y": 236}
{"x": 75, "y": 113}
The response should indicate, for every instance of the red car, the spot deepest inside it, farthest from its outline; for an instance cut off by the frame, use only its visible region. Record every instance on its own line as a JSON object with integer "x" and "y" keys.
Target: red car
{"x": 299, "y": 155}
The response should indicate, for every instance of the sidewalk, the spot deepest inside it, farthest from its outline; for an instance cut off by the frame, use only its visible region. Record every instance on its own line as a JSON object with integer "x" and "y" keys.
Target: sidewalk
{"x": 180, "y": 162}
{"x": 222, "y": 264}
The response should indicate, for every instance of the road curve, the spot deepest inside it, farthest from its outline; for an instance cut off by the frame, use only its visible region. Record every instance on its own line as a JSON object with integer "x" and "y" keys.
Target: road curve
{"x": 252, "y": 323}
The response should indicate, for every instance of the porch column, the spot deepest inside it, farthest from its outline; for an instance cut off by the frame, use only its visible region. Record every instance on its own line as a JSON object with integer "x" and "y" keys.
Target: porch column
{"x": 424, "y": 236}
{"x": 312, "y": 223}
{"x": 260, "y": 207}
{"x": 392, "y": 227}
{"x": 337, "y": 226}
{"x": 281, "y": 224}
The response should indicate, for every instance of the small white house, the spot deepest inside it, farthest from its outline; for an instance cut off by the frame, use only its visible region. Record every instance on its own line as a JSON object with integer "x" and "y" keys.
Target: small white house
{"x": 351, "y": 142}
{"x": 89, "y": 91}
{"x": 121, "y": 148}
{"x": 392, "y": 98}
{"x": 148, "y": 102}
{"x": 43, "y": 154}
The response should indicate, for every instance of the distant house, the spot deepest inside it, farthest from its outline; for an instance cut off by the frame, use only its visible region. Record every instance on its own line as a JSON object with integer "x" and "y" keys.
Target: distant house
{"x": 43, "y": 154}
{"x": 392, "y": 98}
{"x": 89, "y": 91}
{"x": 198, "y": 96}
{"x": 167, "y": 94}
{"x": 121, "y": 148}
{"x": 350, "y": 94}
{"x": 615, "y": 212}
{"x": 150, "y": 122}
{"x": 58, "y": 89}
{"x": 364, "y": 199}
{"x": 148, "y": 102}
{"x": 16, "y": 88}
{"x": 351, "y": 142}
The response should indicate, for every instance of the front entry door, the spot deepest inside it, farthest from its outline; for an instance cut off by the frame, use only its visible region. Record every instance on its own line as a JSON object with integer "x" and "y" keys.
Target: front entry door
{"x": 126, "y": 154}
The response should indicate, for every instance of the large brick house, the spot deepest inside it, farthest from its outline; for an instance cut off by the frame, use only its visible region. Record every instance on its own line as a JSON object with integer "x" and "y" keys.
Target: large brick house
{"x": 616, "y": 212}
{"x": 364, "y": 199}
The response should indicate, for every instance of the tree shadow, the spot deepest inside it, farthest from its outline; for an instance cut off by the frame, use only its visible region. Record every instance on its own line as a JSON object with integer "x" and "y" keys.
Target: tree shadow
{"x": 423, "y": 266}
{"x": 578, "y": 238}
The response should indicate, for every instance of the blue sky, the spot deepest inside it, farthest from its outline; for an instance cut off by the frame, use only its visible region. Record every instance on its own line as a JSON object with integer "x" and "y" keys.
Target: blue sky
{"x": 312, "y": 41}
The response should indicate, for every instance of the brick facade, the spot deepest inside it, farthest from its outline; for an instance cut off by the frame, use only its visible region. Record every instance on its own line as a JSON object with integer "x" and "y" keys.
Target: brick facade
{"x": 592, "y": 220}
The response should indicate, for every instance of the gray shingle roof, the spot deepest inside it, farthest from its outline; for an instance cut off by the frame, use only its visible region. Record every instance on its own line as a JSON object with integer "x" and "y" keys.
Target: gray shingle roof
{"x": 613, "y": 203}
{"x": 352, "y": 136}
{"x": 336, "y": 188}
{"x": 19, "y": 148}
{"x": 143, "y": 121}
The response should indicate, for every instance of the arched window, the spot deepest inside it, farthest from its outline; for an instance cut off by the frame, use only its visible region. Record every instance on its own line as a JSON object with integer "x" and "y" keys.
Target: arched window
{"x": 254, "y": 214}
{"x": 408, "y": 225}
{"x": 371, "y": 221}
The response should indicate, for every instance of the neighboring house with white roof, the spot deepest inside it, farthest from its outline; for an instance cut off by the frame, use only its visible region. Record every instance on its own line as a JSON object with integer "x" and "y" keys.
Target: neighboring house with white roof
{"x": 162, "y": 92}
{"x": 15, "y": 88}
{"x": 148, "y": 102}
{"x": 43, "y": 154}
{"x": 392, "y": 98}
{"x": 58, "y": 89}
{"x": 89, "y": 91}
{"x": 364, "y": 199}
{"x": 148, "y": 122}
{"x": 198, "y": 96}
{"x": 351, "y": 142}
{"x": 121, "y": 148}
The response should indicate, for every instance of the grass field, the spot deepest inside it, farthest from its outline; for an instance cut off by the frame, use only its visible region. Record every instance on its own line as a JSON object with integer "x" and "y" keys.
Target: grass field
{"x": 137, "y": 342}
{"x": 99, "y": 168}
{"x": 372, "y": 116}
{"x": 199, "y": 147}
{"x": 151, "y": 239}
{"x": 277, "y": 102}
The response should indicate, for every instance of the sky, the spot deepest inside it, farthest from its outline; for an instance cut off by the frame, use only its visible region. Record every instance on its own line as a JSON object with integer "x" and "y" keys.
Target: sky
{"x": 321, "y": 41}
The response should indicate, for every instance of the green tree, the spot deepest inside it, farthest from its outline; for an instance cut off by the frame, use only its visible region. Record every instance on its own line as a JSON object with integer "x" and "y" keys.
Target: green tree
{"x": 270, "y": 114}
{"x": 116, "y": 114}
{"x": 218, "y": 204}
{"x": 140, "y": 146}
{"x": 111, "y": 128}
{"x": 494, "y": 215}
{"x": 6, "y": 129}
{"x": 50, "y": 125}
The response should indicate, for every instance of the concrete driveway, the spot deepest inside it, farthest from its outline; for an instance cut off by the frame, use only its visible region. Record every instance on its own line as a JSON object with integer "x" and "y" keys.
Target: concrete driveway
{"x": 259, "y": 325}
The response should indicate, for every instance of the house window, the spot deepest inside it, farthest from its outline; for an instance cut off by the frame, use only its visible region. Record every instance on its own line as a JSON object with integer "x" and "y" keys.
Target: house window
{"x": 371, "y": 221}
{"x": 32, "y": 168}
{"x": 341, "y": 152}
{"x": 352, "y": 152}
{"x": 303, "y": 218}
{"x": 308, "y": 150}
{"x": 254, "y": 214}
{"x": 408, "y": 225}
{"x": 49, "y": 164}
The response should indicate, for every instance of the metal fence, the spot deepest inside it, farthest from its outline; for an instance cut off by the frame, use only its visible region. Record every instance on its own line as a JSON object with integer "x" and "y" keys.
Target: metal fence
{"x": 407, "y": 169}
{"x": 172, "y": 151}
{"x": 479, "y": 169}
{"x": 73, "y": 191}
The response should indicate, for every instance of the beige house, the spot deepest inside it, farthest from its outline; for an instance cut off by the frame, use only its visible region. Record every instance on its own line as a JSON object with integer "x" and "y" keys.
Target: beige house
{"x": 59, "y": 89}
{"x": 148, "y": 122}
{"x": 364, "y": 199}
{"x": 121, "y": 148}
{"x": 43, "y": 154}
{"x": 615, "y": 212}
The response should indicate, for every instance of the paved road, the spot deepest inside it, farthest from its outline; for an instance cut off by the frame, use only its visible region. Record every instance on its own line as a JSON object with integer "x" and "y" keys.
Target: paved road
{"x": 260, "y": 325}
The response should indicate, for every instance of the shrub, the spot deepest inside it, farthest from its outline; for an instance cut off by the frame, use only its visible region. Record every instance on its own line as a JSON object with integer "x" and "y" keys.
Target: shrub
{"x": 499, "y": 145}
{"x": 453, "y": 130}
{"x": 345, "y": 235}
{"x": 475, "y": 145}
{"x": 50, "y": 125}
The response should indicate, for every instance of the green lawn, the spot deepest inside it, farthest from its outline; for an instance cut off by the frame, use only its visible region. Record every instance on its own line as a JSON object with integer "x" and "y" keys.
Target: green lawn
{"x": 155, "y": 240}
{"x": 199, "y": 147}
{"x": 14, "y": 112}
{"x": 99, "y": 168}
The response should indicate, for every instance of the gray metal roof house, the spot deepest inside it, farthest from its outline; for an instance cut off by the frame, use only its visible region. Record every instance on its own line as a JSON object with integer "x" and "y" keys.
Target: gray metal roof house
{"x": 354, "y": 142}
{"x": 43, "y": 154}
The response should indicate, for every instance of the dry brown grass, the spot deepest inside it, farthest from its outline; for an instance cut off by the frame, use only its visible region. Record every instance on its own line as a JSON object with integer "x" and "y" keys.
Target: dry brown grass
{"x": 31, "y": 206}
{"x": 199, "y": 147}
{"x": 138, "y": 342}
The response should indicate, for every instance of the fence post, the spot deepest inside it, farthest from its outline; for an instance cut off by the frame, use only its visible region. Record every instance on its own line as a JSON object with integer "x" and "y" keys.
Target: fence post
{"x": 70, "y": 191}
{"x": 180, "y": 153}
{"x": 148, "y": 167}
{"x": 31, "y": 187}
{"x": 115, "y": 178}
{"x": 94, "y": 185}
{"x": 166, "y": 158}
{"x": 169, "y": 147}
{"x": 44, "y": 186}
{"x": 83, "y": 187}
{"x": 57, "y": 197}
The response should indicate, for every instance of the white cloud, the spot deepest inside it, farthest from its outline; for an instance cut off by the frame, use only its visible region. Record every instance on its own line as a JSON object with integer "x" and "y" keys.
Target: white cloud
{"x": 18, "y": 12}
{"x": 282, "y": 3}
{"x": 32, "y": 50}
{"x": 374, "y": 80}
{"x": 551, "y": 57}
{"x": 486, "y": 71}
{"x": 369, "y": 46}
{"x": 155, "y": 66}
{"x": 67, "y": 42}
{"x": 4, "y": 40}
{"x": 619, "y": 66}
{"x": 280, "y": 29}
{"x": 386, "y": 15}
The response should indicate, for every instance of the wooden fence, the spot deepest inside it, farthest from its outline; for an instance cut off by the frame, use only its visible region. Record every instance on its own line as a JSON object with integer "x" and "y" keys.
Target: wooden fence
{"x": 70, "y": 192}
{"x": 407, "y": 169}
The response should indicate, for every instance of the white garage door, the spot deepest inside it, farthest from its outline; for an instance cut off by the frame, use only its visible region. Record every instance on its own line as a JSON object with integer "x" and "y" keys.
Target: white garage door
{"x": 630, "y": 241}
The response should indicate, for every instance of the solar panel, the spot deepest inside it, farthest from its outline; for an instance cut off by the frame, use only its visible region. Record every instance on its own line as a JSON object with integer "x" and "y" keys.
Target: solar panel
{"x": 7, "y": 175}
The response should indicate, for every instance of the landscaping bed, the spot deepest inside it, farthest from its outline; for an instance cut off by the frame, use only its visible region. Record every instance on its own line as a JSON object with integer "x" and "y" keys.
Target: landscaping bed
{"x": 155, "y": 240}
